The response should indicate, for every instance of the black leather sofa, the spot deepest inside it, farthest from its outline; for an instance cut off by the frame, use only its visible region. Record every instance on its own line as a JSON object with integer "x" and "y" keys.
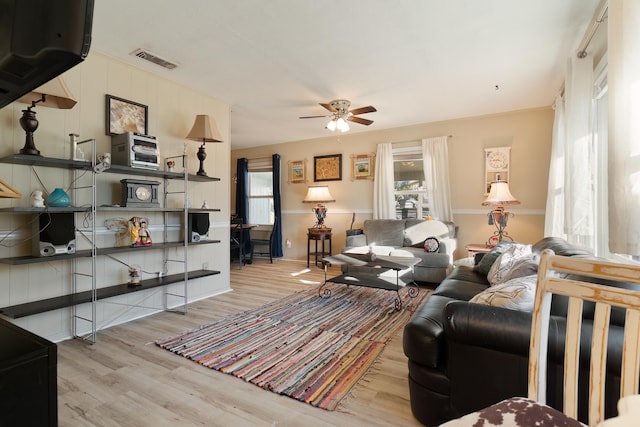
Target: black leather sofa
{"x": 465, "y": 356}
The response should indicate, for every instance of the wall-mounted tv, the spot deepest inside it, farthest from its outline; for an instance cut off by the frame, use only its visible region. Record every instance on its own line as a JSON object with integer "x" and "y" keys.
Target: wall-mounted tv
{"x": 39, "y": 40}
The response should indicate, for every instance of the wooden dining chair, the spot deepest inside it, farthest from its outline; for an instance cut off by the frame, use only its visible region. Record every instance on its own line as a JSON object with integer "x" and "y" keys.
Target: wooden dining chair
{"x": 571, "y": 277}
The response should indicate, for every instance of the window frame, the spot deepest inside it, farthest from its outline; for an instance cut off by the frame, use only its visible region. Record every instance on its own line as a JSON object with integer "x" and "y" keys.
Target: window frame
{"x": 411, "y": 152}
{"x": 252, "y": 171}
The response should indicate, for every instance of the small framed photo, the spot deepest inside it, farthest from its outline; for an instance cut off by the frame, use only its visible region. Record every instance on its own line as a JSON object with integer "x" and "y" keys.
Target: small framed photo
{"x": 125, "y": 116}
{"x": 327, "y": 168}
{"x": 297, "y": 171}
{"x": 362, "y": 166}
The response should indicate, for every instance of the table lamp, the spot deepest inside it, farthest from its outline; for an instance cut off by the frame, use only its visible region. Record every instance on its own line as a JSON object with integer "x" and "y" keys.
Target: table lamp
{"x": 204, "y": 130}
{"x": 499, "y": 195}
{"x": 319, "y": 194}
{"x": 53, "y": 94}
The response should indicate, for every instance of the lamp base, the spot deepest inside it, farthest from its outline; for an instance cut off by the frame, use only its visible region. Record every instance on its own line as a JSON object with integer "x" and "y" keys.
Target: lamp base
{"x": 201, "y": 156}
{"x": 499, "y": 217}
{"x": 29, "y": 123}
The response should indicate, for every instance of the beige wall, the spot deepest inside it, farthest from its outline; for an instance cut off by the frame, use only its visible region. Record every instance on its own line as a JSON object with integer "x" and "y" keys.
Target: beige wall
{"x": 527, "y": 132}
{"x": 172, "y": 109}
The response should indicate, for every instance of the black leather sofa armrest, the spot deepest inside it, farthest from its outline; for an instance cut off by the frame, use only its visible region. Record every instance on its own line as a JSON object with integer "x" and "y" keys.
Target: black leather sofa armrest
{"x": 423, "y": 341}
{"x": 482, "y": 325}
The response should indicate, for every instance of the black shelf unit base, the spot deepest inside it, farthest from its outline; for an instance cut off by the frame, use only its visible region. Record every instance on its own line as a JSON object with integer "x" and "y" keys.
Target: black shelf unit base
{"x": 41, "y": 306}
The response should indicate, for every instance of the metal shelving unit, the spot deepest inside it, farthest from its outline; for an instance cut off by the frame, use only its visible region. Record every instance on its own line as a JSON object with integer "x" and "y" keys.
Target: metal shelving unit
{"x": 95, "y": 293}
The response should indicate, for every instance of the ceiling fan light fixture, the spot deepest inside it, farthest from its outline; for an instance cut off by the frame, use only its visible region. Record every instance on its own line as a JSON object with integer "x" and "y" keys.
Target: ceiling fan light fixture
{"x": 342, "y": 125}
{"x": 331, "y": 125}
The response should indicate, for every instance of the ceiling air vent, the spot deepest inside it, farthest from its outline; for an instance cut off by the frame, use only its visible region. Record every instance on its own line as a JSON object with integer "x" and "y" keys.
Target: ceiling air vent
{"x": 152, "y": 57}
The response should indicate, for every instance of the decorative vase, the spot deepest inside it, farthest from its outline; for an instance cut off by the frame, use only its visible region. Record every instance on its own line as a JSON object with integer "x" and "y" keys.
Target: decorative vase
{"x": 58, "y": 199}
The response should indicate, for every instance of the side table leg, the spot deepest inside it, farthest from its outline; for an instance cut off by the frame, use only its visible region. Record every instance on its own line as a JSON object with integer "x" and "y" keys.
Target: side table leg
{"x": 413, "y": 288}
{"x": 326, "y": 293}
{"x": 398, "y": 301}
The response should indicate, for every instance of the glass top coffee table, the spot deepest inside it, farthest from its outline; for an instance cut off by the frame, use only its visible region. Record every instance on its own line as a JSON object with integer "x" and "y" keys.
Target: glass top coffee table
{"x": 361, "y": 271}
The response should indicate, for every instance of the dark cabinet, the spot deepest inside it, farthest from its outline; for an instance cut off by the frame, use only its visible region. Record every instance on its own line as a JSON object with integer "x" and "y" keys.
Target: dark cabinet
{"x": 28, "y": 378}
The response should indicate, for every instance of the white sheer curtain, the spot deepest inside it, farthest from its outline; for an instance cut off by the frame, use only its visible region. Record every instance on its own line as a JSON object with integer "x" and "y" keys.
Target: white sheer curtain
{"x": 579, "y": 202}
{"x": 384, "y": 203}
{"x": 435, "y": 160}
{"x": 554, "y": 215}
{"x": 624, "y": 126}
{"x": 571, "y": 211}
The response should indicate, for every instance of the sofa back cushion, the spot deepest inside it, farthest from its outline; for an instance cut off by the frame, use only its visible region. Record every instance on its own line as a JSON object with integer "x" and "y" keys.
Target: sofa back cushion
{"x": 417, "y": 230}
{"x": 384, "y": 232}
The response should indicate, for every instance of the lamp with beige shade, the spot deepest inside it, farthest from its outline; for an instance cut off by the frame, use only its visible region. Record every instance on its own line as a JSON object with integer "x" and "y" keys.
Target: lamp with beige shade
{"x": 499, "y": 196}
{"x": 204, "y": 130}
{"x": 319, "y": 194}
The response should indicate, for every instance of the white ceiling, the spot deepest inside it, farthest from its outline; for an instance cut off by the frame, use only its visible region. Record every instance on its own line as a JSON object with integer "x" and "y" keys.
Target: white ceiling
{"x": 416, "y": 61}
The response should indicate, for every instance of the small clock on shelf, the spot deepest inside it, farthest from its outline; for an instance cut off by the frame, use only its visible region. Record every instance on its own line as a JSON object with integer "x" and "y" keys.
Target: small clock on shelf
{"x": 139, "y": 193}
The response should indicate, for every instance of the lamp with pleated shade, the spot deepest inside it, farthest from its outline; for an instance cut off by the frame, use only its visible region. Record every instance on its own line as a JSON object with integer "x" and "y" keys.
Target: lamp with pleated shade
{"x": 204, "y": 130}
{"x": 319, "y": 194}
{"x": 499, "y": 196}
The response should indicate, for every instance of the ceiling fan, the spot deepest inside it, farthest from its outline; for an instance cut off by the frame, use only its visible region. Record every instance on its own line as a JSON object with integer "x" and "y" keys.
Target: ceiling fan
{"x": 340, "y": 114}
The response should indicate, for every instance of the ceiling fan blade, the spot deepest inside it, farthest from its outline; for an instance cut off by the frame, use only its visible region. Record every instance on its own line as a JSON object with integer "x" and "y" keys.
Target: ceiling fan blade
{"x": 360, "y": 120}
{"x": 362, "y": 110}
{"x": 311, "y": 117}
{"x": 329, "y": 107}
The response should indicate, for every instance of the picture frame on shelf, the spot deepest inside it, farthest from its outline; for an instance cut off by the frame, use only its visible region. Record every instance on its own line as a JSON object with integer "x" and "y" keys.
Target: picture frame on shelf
{"x": 362, "y": 166}
{"x": 297, "y": 171}
{"x": 123, "y": 116}
{"x": 327, "y": 168}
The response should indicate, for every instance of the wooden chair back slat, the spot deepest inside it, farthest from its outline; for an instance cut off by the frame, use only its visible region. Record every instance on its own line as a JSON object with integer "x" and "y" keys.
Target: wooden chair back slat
{"x": 605, "y": 298}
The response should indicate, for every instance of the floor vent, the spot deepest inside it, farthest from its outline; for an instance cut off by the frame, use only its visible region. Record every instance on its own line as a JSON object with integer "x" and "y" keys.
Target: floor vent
{"x": 152, "y": 57}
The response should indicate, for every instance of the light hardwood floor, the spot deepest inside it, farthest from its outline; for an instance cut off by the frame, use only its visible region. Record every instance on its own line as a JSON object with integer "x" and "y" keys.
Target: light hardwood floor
{"x": 126, "y": 380}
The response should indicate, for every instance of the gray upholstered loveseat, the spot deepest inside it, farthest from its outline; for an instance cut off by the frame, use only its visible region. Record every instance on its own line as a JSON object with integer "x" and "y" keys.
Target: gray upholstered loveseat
{"x": 405, "y": 237}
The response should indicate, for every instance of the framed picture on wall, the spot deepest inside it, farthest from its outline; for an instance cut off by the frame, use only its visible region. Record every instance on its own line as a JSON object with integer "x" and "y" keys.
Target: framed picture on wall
{"x": 327, "y": 168}
{"x": 362, "y": 166}
{"x": 123, "y": 116}
{"x": 297, "y": 171}
{"x": 497, "y": 165}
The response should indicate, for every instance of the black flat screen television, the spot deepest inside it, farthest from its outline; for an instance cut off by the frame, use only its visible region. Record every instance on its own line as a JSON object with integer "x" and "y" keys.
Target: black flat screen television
{"x": 39, "y": 40}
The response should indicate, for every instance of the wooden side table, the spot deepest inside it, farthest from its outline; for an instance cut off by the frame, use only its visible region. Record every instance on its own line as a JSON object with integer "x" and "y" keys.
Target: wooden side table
{"x": 318, "y": 235}
{"x": 476, "y": 248}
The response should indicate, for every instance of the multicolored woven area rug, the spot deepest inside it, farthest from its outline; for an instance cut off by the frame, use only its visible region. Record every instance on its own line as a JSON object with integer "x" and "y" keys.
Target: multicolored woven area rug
{"x": 310, "y": 348}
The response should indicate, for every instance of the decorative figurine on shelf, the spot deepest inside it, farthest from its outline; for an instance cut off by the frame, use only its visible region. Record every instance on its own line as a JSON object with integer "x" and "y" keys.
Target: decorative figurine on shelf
{"x": 37, "y": 201}
{"x": 145, "y": 237}
{"x": 205, "y": 205}
{"x": 139, "y": 231}
{"x": 134, "y": 275}
{"x": 170, "y": 165}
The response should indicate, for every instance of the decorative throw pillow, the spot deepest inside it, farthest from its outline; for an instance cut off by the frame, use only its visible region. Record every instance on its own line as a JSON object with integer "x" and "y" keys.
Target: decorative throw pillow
{"x": 506, "y": 261}
{"x": 523, "y": 267}
{"x": 490, "y": 257}
{"x": 515, "y": 294}
{"x": 431, "y": 244}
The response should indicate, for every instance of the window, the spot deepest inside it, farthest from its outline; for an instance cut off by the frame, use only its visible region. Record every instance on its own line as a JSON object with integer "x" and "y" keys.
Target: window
{"x": 408, "y": 183}
{"x": 260, "y": 193}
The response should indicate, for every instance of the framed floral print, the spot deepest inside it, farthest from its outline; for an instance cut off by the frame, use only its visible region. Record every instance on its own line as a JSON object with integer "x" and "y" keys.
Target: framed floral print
{"x": 327, "y": 168}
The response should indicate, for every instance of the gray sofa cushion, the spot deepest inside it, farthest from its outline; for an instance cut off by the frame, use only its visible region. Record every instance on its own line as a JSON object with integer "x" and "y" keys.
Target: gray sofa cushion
{"x": 384, "y": 232}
